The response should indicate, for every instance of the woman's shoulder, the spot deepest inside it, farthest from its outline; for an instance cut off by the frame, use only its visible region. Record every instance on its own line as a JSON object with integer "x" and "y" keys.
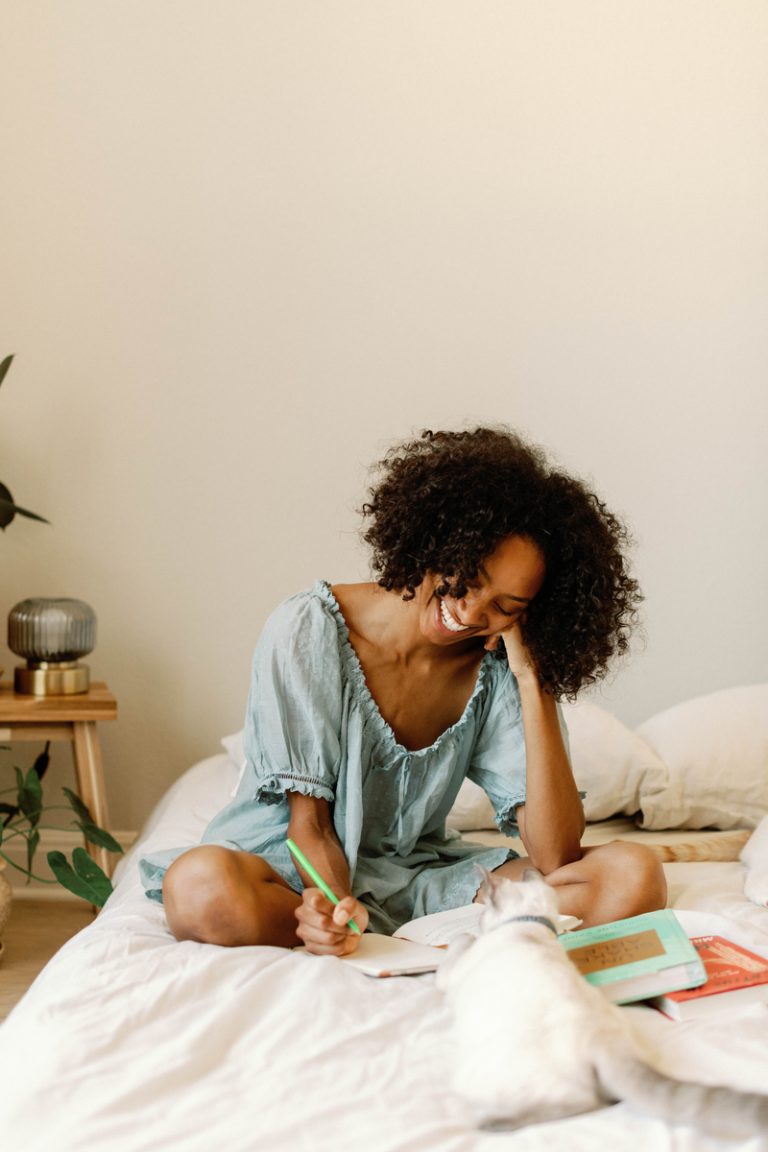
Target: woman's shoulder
{"x": 304, "y": 631}
{"x": 312, "y": 607}
{"x": 355, "y": 603}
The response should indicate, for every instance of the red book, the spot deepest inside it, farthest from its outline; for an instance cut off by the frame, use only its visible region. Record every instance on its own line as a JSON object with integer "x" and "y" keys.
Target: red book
{"x": 735, "y": 976}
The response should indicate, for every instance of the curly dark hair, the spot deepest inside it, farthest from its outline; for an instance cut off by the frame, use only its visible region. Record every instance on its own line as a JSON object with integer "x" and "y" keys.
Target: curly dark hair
{"x": 444, "y": 502}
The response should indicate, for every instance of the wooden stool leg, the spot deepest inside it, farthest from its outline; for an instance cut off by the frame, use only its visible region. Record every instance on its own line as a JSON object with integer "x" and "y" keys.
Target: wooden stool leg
{"x": 90, "y": 783}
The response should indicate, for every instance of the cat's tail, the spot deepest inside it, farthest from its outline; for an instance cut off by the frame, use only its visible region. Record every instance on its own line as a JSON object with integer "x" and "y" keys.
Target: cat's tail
{"x": 716, "y": 846}
{"x": 719, "y": 1111}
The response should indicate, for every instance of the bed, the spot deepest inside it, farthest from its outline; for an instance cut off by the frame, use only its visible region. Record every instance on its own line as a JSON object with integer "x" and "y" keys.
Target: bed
{"x": 129, "y": 1041}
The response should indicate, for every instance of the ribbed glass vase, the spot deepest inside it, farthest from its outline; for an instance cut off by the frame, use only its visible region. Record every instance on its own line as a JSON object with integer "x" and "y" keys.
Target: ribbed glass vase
{"x": 43, "y": 630}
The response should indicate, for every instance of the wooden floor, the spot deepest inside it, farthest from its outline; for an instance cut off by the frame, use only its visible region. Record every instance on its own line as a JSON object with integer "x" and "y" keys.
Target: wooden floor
{"x": 36, "y": 929}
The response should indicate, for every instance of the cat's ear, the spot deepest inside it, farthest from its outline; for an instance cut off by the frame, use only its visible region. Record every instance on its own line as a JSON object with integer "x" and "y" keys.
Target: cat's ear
{"x": 489, "y": 886}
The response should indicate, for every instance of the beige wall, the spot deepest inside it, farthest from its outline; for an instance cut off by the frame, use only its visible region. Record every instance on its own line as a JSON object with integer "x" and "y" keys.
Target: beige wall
{"x": 245, "y": 245}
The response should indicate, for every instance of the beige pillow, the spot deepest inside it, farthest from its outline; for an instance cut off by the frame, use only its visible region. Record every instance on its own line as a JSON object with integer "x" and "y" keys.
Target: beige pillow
{"x": 614, "y": 766}
{"x": 715, "y": 748}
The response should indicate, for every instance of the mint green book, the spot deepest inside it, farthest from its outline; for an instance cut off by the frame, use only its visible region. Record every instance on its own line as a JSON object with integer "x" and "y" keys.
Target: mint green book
{"x": 636, "y": 958}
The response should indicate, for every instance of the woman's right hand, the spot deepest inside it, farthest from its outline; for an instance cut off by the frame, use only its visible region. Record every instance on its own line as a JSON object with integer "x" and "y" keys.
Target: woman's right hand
{"x": 323, "y": 926}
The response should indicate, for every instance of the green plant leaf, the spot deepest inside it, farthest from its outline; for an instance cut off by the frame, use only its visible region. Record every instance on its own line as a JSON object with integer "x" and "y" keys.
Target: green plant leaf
{"x": 96, "y": 835}
{"x": 5, "y": 366}
{"x": 41, "y": 763}
{"x": 78, "y": 806}
{"x": 31, "y": 797}
{"x": 30, "y": 515}
{"x": 33, "y": 839}
{"x": 83, "y": 877}
{"x": 88, "y": 825}
{"x": 9, "y": 508}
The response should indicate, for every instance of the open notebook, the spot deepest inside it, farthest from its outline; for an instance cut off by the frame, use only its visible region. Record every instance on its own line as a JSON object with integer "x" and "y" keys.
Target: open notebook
{"x": 419, "y": 946}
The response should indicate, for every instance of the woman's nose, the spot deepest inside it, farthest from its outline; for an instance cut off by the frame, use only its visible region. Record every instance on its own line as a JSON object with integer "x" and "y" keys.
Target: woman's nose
{"x": 472, "y": 611}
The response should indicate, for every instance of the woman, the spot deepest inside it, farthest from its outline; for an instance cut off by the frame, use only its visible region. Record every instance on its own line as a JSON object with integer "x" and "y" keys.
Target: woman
{"x": 501, "y": 586}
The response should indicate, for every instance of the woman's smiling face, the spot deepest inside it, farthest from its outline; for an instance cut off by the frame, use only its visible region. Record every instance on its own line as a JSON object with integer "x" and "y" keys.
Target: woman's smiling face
{"x": 506, "y": 583}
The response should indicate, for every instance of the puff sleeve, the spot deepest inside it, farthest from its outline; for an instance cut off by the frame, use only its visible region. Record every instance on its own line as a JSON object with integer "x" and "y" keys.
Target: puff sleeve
{"x": 498, "y": 758}
{"x": 293, "y": 717}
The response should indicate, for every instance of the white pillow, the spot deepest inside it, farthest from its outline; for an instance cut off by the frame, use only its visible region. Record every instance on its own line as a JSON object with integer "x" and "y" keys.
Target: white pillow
{"x": 472, "y": 810}
{"x": 613, "y": 765}
{"x": 716, "y": 750}
{"x": 233, "y": 746}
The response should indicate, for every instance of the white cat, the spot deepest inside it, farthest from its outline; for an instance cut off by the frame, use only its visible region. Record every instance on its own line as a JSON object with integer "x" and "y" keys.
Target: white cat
{"x": 534, "y": 1041}
{"x": 754, "y": 855}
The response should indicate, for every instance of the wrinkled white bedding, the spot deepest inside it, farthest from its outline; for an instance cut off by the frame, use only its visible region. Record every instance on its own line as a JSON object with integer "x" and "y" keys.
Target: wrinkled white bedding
{"x": 131, "y": 1042}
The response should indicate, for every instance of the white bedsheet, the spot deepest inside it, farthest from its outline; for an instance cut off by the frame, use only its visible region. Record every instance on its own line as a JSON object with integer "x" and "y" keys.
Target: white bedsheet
{"x": 129, "y": 1041}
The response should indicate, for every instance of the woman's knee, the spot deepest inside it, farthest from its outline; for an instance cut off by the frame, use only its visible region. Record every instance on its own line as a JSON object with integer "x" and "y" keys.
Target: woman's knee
{"x": 197, "y": 888}
{"x": 224, "y": 896}
{"x": 637, "y": 872}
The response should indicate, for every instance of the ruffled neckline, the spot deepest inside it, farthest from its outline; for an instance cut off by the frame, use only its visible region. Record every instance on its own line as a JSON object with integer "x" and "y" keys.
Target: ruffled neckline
{"x": 322, "y": 588}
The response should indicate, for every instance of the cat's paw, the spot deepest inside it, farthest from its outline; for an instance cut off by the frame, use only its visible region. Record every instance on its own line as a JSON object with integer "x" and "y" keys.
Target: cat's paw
{"x": 756, "y": 886}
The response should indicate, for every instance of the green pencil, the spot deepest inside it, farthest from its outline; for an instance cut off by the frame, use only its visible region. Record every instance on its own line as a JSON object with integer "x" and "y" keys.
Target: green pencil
{"x": 321, "y": 884}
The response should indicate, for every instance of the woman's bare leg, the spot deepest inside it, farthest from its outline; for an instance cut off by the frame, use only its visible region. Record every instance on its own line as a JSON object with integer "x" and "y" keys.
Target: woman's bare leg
{"x": 220, "y": 896}
{"x": 609, "y": 882}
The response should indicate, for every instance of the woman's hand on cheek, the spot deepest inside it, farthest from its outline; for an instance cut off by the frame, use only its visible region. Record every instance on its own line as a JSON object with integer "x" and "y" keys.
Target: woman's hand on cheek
{"x": 520, "y": 662}
{"x": 323, "y": 926}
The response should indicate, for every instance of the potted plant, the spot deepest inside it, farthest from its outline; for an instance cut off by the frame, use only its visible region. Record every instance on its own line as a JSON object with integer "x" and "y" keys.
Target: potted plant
{"x": 22, "y": 813}
{"x": 22, "y": 818}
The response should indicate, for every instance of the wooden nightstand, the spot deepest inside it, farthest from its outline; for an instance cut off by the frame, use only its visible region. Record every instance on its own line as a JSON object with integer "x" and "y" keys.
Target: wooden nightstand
{"x": 71, "y": 718}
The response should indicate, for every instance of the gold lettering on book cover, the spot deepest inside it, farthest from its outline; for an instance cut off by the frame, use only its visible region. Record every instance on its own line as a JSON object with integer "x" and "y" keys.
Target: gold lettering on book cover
{"x": 612, "y": 953}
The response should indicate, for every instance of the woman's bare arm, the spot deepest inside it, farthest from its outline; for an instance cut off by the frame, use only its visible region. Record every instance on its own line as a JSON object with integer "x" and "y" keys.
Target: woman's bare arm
{"x": 323, "y": 926}
{"x": 551, "y": 821}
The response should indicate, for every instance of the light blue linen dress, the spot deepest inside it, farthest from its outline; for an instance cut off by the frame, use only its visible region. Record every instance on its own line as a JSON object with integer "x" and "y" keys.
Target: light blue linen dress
{"x": 313, "y": 727}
